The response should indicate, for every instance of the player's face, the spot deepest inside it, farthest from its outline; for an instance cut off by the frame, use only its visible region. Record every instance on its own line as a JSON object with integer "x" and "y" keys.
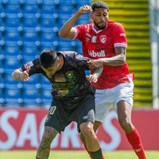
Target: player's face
{"x": 100, "y": 18}
{"x": 53, "y": 69}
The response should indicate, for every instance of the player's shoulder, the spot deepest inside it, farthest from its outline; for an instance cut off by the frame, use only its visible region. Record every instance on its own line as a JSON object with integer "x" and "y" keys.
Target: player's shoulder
{"x": 114, "y": 24}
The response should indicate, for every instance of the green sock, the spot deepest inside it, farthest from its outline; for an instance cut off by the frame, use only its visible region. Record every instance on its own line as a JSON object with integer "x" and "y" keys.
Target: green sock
{"x": 96, "y": 154}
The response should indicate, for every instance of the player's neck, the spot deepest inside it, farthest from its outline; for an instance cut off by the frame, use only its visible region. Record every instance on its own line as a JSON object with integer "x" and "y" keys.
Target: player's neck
{"x": 97, "y": 29}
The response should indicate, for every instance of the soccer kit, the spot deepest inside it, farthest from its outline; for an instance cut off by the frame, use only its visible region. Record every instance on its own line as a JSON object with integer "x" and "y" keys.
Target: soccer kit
{"x": 73, "y": 96}
{"x": 116, "y": 82}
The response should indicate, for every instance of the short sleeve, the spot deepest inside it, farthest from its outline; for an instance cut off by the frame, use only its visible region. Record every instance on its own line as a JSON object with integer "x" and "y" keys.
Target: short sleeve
{"x": 120, "y": 39}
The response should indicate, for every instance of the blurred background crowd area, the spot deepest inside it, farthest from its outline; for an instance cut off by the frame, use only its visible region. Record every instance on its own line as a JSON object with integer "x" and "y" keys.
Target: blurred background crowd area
{"x": 27, "y": 27}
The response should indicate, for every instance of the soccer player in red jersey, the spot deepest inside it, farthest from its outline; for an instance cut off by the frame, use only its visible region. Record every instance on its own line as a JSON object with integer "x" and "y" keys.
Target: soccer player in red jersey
{"x": 105, "y": 41}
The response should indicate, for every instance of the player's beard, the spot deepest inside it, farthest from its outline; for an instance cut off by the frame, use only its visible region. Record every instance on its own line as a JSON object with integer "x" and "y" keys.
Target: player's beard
{"x": 100, "y": 27}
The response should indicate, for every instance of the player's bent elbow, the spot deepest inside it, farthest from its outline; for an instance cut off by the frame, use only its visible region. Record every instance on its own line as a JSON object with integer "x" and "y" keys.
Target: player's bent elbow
{"x": 61, "y": 34}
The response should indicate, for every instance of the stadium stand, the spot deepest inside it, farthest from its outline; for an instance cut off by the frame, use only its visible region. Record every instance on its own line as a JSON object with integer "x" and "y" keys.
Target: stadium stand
{"x": 28, "y": 27}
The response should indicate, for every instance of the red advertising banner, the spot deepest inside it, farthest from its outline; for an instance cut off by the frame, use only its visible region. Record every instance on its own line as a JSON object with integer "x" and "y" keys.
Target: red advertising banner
{"x": 23, "y": 128}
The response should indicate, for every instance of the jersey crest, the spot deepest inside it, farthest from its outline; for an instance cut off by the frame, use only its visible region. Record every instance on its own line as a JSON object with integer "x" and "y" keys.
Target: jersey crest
{"x": 103, "y": 38}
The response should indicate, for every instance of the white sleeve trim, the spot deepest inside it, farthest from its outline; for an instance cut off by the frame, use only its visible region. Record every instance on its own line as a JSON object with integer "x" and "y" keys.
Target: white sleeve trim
{"x": 76, "y": 33}
{"x": 120, "y": 45}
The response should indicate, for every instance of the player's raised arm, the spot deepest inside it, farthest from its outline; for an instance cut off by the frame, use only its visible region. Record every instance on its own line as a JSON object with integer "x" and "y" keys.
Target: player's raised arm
{"x": 67, "y": 30}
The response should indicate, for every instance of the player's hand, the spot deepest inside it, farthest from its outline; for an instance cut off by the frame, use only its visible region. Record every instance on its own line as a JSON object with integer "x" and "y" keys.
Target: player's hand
{"x": 24, "y": 76}
{"x": 96, "y": 63}
{"x": 92, "y": 78}
{"x": 85, "y": 9}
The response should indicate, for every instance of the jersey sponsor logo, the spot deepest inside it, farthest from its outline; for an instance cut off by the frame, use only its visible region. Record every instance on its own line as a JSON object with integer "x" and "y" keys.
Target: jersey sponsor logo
{"x": 97, "y": 54}
{"x": 103, "y": 38}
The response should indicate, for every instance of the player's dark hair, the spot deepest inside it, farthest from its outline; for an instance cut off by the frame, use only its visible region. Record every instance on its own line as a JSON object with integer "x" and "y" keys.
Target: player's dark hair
{"x": 99, "y": 4}
{"x": 48, "y": 58}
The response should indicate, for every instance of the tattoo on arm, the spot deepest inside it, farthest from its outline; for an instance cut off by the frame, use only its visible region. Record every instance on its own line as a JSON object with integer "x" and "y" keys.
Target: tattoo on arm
{"x": 120, "y": 50}
{"x": 118, "y": 59}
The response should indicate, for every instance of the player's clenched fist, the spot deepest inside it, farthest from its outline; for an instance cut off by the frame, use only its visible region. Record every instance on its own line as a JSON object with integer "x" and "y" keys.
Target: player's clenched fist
{"x": 85, "y": 9}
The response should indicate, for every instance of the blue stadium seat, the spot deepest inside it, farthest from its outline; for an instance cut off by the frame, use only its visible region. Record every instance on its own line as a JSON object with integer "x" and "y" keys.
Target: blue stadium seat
{"x": 63, "y": 17}
{"x": 46, "y": 96}
{"x": 84, "y": 19}
{"x": 45, "y": 91}
{"x": 12, "y": 20}
{"x": 48, "y": 9}
{"x": 49, "y": 6}
{"x": 30, "y": 20}
{"x": 48, "y": 45}
{"x": 1, "y": 20}
{"x": 12, "y": 62}
{"x": 30, "y": 34}
{"x": 83, "y": 2}
{"x": 48, "y": 21}
{"x": 1, "y": 93}
{"x": 31, "y": 96}
{"x": 28, "y": 58}
{"x": 31, "y": 6}
{"x": 31, "y": 91}
{"x": 66, "y": 6}
{"x": 44, "y": 82}
{"x": 66, "y": 45}
{"x": 2, "y": 99}
{"x": 2, "y": 8}
{"x": 13, "y": 6}
{"x": 12, "y": 96}
{"x": 12, "y": 2}
{"x": 48, "y": 35}
{"x": 11, "y": 48}
{"x": 2, "y": 79}
{"x": 2, "y": 71}
{"x": 12, "y": 34}
{"x": 9, "y": 81}
{"x": 2, "y": 17}
{"x": 79, "y": 47}
{"x": 1, "y": 60}
{"x": 29, "y": 49}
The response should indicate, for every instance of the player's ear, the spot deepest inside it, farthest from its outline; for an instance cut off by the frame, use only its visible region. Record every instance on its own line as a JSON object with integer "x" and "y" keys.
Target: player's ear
{"x": 108, "y": 15}
{"x": 91, "y": 15}
{"x": 59, "y": 60}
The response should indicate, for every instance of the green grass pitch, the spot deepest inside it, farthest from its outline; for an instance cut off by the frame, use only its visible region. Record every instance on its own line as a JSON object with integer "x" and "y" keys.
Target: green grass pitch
{"x": 75, "y": 155}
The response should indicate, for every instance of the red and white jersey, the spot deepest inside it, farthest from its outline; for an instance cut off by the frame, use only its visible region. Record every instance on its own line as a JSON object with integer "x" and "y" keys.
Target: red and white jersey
{"x": 101, "y": 44}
